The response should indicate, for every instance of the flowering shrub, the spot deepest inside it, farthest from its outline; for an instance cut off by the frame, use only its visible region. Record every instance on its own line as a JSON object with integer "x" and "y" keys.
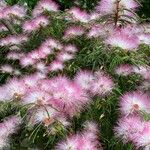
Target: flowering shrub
{"x": 61, "y": 69}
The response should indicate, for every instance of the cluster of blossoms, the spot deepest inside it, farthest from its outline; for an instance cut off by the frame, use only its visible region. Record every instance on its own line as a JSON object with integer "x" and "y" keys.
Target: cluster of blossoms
{"x": 132, "y": 126}
{"x": 87, "y": 140}
{"x": 8, "y": 127}
{"x": 57, "y": 99}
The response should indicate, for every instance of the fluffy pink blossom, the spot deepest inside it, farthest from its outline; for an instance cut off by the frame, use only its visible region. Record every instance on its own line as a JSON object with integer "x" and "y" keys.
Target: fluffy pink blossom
{"x": 26, "y": 61}
{"x": 129, "y": 128}
{"x": 86, "y": 140}
{"x": 73, "y": 31}
{"x": 79, "y": 15}
{"x": 142, "y": 70}
{"x": 14, "y": 55}
{"x": 14, "y": 89}
{"x": 102, "y": 84}
{"x": 124, "y": 69}
{"x": 67, "y": 96}
{"x": 134, "y": 102}
{"x": 64, "y": 56}
{"x": 84, "y": 79}
{"x": 8, "y": 127}
{"x": 13, "y": 40}
{"x": 125, "y": 41}
{"x": 144, "y": 38}
{"x": 56, "y": 65}
{"x": 6, "y": 69}
{"x": 43, "y": 5}
{"x": 35, "y": 24}
{"x": 144, "y": 139}
{"x": 36, "y": 97}
{"x": 70, "y": 48}
{"x": 106, "y": 7}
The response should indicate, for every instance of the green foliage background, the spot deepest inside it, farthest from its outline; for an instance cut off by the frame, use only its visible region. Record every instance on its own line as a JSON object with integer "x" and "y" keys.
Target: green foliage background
{"x": 92, "y": 55}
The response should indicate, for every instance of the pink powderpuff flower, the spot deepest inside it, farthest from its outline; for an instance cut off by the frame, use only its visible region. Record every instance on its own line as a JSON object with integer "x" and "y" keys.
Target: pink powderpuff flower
{"x": 144, "y": 139}
{"x": 8, "y": 126}
{"x": 67, "y": 96}
{"x": 124, "y": 69}
{"x": 70, "y": 48}
{"x": 13, "y": 40}
{"x": 79, "y": 15}
{"x": 26, "y": 61}
{"x": 94, "y": 16}
{"x": 45, "y": 114}
{"x": 97, "y": 31}
{"x": 129, "y": 128}
{"x": 45, "y": 50}
{"x": 35, "y": 24}
{"x": 53, "y": 44}
{"x": 144, "y": 38}
{"x": 144, "y": 71}
{"x": 80, "y": 141}
{"x": 84, "y": 79}
{"x": 125, "y": 41}
{"x": 64, "y": 56}
{"x": 107, "y": 7}
{"x": 6, "y": 69}
{"x": 14, "y": 55}
{"x": 47, "y": 5}
{"x": 73, "y": 31}
{"x": 134, "y": 102}
{"x": 56, "y": 65}
{"x": 31, "y": 81}
{"x": 41, "y": 21}
{"x": 36, "y": 97}
{"x": 18, "y": 11}
{"x": 40, "y": 66}
{"x": 15, "y": 89}
{"x": 102, "y": 84}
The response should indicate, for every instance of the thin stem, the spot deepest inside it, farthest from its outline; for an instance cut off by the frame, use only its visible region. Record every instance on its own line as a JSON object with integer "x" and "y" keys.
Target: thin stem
{"x": 117, "y": 12}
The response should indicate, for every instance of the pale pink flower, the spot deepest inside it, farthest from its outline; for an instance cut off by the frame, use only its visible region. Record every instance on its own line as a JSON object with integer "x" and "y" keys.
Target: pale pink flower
{"x": 102, "y": 84}
{"x": 15, "y": 89}
{"x": 56, "y": 65}
{"x": 86, "y": 140}
{"x": 64, "y": 56}
{"x": 142, "y": 70}
{"x": 129, "y": 128}
{"x": 70, "y": 48}
{"x": 79, "y": 15}
{"x": 26, "y": 61}
{"x": 8, "y": 127}
{"x": 73, "y": 31}
{"x": 14, "y": 55}
{"x": 134, "y": 102}
{"x": 6, "y": 69}
{"x": 67, "y": 96}
{"x": 144, "y": 38}
{"x": 124, "y": 69}
{"x": 84, "y": 79}
{"x": 43, "y": 5}
{"x": 106, "y": 7}
{"x": 125, "y": 41}
{"x": 144, "y": 139}
{"x": 35, "y": 24}
{"x": 13, "y": 40}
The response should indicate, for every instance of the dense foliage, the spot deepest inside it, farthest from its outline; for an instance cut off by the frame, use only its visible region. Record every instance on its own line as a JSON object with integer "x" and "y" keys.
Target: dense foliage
{"x": 74, "y": 79}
